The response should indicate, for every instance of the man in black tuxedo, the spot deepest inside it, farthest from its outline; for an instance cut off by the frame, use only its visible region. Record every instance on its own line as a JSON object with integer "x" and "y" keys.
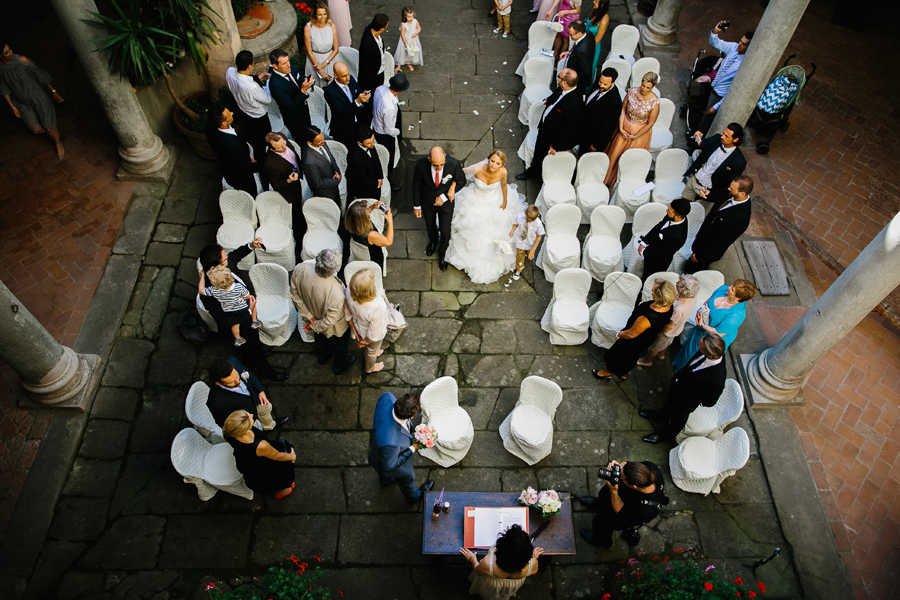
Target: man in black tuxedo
{"x": 436, "y": 179}
{"x": 699, "y": 383}
{"x": 364, "y": 175}
{"x": 232, "y": 151}
{"x": 323, "y": 175}
{"x": 722, "y": 227}
{"x": 232, "y": 387}
{"x": 580, "y": 56}
{"x": 560, "y": 124}
{"x": 371, "y": 73}
{"x": 659, "y": 245}
{"x": 601, "y": 113}
{"x": 252, "y": 352}
{"x": 289, "y": 90}
{"x": 346, "y": 101}
{"x": 719, "y": 162}
{"x": 282, "y": 167}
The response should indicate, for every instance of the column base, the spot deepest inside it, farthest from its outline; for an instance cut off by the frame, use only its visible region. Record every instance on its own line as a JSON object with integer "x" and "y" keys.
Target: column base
{"x": 658, "y": 40}
{"x": 70, "y": 385}
{"x": 157, "y": 170}
{"x": 765, "y": 389}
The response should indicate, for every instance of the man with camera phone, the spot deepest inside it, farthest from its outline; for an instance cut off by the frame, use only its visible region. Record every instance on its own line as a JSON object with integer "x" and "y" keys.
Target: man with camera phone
{"x": 633, "y": 495}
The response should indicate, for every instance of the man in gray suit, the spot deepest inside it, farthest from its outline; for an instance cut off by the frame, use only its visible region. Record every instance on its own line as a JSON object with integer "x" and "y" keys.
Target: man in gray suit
{"x": 319, "y": 166}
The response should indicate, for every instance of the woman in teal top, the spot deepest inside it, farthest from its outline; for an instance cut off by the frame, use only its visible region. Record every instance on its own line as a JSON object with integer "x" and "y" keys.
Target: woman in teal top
{"x": 726, "y": 313}
{"x": 597, "y": 22}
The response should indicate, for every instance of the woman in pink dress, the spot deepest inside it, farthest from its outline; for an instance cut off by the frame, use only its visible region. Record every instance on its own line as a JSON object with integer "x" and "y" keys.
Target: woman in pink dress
{"x": 566, "y": 11}
{"x": 639, "y": 112}
{"x": 340, "y": 16}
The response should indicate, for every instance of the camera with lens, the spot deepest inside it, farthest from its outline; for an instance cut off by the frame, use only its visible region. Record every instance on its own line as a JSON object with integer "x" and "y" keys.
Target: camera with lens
{"x": 612, "y": 474}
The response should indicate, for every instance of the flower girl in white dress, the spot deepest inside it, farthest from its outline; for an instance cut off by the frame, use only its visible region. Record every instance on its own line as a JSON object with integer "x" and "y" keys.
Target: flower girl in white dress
{"x": 483, "y": 215}
{"x": 409, "y": 48}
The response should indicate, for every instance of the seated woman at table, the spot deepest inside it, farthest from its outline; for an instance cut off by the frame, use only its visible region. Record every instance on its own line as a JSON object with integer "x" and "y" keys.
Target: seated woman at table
{"x": 502, "y": 572}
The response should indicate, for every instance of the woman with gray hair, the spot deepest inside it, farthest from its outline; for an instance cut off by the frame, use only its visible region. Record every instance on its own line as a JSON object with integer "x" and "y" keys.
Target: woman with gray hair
{"x": 319, "y": 298}
{"x": 687, "y": 288}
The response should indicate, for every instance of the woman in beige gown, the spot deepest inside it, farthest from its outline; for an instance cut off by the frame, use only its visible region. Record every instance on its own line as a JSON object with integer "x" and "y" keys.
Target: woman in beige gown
{"x": 502, "y": 572}
{"x": 639, "y": 112}
{"x": 340, "y": 15}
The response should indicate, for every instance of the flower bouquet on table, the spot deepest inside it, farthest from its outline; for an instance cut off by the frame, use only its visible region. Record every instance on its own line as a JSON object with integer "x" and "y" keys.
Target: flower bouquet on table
{"x": 547, "y": 501}
{"x": 425, "y": 435}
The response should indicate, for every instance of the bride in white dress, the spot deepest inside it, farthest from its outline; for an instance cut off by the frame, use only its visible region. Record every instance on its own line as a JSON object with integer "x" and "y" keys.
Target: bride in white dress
{"x": 484, "y": 213}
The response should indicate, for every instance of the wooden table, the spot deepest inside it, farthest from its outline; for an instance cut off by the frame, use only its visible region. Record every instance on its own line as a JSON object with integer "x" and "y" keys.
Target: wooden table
{"x": 445, "y": 535}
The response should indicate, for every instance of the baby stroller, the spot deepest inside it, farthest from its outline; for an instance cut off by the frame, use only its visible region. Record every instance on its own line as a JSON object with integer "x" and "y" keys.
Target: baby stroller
{"x": 777, "y": 101}
{"x": 699, "y": 87}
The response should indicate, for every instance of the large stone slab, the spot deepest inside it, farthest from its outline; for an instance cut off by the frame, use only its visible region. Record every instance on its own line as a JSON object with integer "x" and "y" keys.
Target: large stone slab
{"x": 498, "y": 337}
{"x": 587, "y": 448}
{"x": 433, "y": 302}
{"x": 455, "y": 126}
{"x": 127, "y": 363}
{"x": 198, "y": 238}
{"x": 490, "y": 371}
{"x": 278, "y": 537}
{"x": 363, "y": 540}
{"x": 162, "y": 254}
{"x": 369, "y": 583}
{"x": 722, "y": 536}
{"x": 679, "y": 530}
{"x": 430, "y": 336}
{"x": 178, "y": 210}
{"x": 174, "y": 358}
{"x": 79, "y": 519}
{"x": 487, "y": 451}
{"x": 130, "y": 543}
{"x": 139, "y": 470}
{"x": 455, "y": 280}
{"x": 408, "y": 274}
{"x": 161, "y": 417}
{"x": 479, "y": 403}
{"x": 321, "y": 449}
{"x": 307, "y": 370}
{"x": 580, "y": 581}
{"x": 417, "y": 369}
{"x": 104, "y": 439}
{"x": 366, "y": 495}
{"x": 317, "y": 491}
{"x": 318, "y": 407}
{"x": 531, "y": 339}
{"x": 507, "y": 306}
{"x": 157, "y": 300}
{"x": 223, "y": 539}
{"x": 92, "y": 478}
{"x": 567, "y": 371}
{"x": 594, "y": 409}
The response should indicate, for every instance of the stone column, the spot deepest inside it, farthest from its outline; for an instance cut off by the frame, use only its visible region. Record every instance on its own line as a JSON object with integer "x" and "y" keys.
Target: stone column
{"x": 662, "y": 26}
{"x": 778, "y": 373}
{"x": 763, "y": 56}
{"x": 52, "y": 374}
{"x": 144, "y": 158}
{"x": 222, "y": 56}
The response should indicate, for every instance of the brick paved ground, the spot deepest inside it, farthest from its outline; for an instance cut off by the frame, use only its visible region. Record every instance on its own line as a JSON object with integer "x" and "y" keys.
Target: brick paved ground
{"x": 57, "y": 225}
{"x": 830, "y": 177}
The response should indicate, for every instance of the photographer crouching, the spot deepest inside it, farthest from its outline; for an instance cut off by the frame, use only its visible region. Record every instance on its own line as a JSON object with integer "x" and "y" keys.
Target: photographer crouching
{"x": 633, "y": 495}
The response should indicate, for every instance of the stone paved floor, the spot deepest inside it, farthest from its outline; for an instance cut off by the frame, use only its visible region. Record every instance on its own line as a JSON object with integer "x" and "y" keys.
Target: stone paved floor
{"x": 127, "y": 526}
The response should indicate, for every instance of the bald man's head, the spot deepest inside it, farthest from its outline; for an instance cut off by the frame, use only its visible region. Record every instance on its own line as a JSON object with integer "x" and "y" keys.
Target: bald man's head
{"x": 341, "y": 73}
{"x": 568, "y": 79}
{"x": 437, "y": 157}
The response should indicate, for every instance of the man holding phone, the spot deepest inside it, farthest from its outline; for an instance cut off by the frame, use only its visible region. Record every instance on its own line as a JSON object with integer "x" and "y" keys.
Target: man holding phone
{"x": 734, "y": 56}
{"x": 282, "y": 166}
{"x": 290, "y": 91}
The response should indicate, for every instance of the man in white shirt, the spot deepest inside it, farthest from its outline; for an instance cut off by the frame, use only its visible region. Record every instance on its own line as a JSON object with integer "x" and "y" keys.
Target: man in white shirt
{"x": 386, "y": 120}
{"x": 252, "y": 100}
{"x": 734, "y": 56}
{"x": 719, "y": 162}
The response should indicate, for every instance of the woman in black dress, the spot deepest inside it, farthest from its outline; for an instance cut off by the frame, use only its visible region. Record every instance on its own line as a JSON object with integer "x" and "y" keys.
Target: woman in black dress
{"x": 641, "y": 330}
{"x": 264, "y": 468}
{"x": 359, "y": 223}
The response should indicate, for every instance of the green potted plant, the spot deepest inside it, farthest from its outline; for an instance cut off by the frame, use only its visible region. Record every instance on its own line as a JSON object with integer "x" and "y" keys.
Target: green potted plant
{"x": 297, "y": 582}
{"x": 147, "y": 41}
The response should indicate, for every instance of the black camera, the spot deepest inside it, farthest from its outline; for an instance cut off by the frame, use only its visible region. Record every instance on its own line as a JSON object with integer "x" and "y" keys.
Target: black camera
{"x": 724, "y": 24}
{"x": 612, "y": 475}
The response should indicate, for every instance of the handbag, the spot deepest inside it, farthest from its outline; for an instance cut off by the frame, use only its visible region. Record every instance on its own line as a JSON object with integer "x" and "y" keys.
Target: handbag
{"x": 396, "y": 323}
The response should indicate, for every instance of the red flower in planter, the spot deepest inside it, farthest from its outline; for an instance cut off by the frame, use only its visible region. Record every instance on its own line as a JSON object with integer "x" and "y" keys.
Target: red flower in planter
{"x": 708, "y": 586}
{"x": 751, "y": 594}
{"x": 739, "y": 581}
{"x": 762, "y": 587}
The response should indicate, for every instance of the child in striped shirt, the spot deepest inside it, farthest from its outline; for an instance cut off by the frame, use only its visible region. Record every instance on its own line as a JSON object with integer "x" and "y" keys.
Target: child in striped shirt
{"x": 234, "y": 297}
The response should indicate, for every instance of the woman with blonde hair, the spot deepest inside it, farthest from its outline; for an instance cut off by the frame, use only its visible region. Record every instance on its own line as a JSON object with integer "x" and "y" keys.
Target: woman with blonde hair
{"x": 642, "y": 328}
{"x": 320, "y": 38}
{"x": 367, "y": 313}
{"x": 484, "y": 214}
{"x": 640, "y": 110}
{"x": 687, "y": 288}
{"x": 265, "y": 468}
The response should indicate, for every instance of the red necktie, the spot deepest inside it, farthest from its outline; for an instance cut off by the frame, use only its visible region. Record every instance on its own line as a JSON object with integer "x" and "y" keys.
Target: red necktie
{"x": 437, "y": 177}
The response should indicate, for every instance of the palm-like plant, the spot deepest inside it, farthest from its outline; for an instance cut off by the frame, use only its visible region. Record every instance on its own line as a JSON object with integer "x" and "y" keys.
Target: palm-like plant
{"x": 147, "y": 42}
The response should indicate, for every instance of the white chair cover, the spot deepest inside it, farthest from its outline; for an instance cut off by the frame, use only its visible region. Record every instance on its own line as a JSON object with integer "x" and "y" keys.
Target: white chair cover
{"x": 527, "y": 431}
{"x": 560, "y": 248}
{"x": 350, "y": 57}
{"x": 647, "y": 290}
{"x": 670, "y": 167}
{"x": 384, "y": 156}
{"x": 641, "y": 67}
{"x": 660, "y": 136}
{"x": 340, "y": 157}
{"x": 526, "y": 149}
{"x": 540, "y": 35}
{"x": 319, "y": 112}
{"x": 388, "y": 66}
{"x": 557, "y": 171}
{"x": 634, "y": 165}
{"x": 695, "y": 220}
{"x": 609, "y": 315}
{"x": 589, "y": 189}
{"x": 198, "y": 414}
{"x": 275, "y": 311}
{"x": 602, "y": 249}
{"x": 700, "y": 465}
{"x": 537, "y": 80}
{"x": 623, "y": 68}
{"x": 624, "y": 42}
{"x": 205, "y": 316}
{"x": 567, "y": 318}
{"x": 711, "y": 422}
{"x": 322, "y": 220}
{"x": 453, "y": 425}
{"x": 645, "y": 218}
{"x": 358, "y": 265}
{"x": 275, "y": 230}
{"x": 238, "y": 223}
{"x": 206, "y": 466}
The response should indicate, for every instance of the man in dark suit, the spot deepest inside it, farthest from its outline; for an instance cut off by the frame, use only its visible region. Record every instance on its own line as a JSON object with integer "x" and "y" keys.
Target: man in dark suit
{"x": 659, "y": 245}
{"x": 232, "y": 387}
{"x": 722, "y": 227}
{"x": 289, "y": 90}
{"x": 364, "y": 175}
{"x": 601, "y": 113}
{"x": 232, "y": 151}
{"x": 371, "y": 73}
{"x": 253, "y": 352}
{"x": 346, "y": 101}
{"x": 560, "y": 124}
{"x": 393, "y": 445}
{"x": 719, "y": 162}
{"x": 436, "y": 179}
{"x": 699, "y": 383}
{"x": 323, "y": 175}
{"x": 580, "y": 56}
{"x": 282, "y": 168}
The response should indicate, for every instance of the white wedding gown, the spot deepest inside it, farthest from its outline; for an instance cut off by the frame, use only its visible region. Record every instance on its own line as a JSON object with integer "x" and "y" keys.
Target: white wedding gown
{"x": 477, "y": 224}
